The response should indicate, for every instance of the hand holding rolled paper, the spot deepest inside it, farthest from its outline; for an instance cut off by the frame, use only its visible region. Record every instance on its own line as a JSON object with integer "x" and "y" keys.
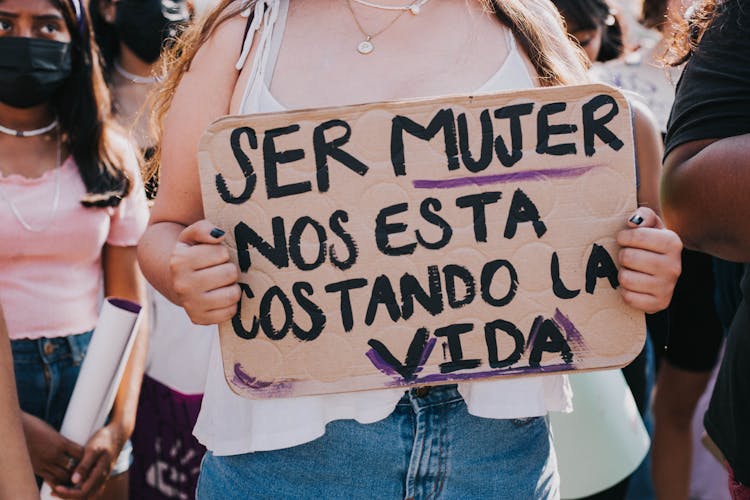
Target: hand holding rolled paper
{"x": 101, "y": 372}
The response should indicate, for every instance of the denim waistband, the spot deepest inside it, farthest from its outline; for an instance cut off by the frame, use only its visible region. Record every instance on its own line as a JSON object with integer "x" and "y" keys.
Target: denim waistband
{"x": 427, "y": 396}
{"x": 50, "y": 350}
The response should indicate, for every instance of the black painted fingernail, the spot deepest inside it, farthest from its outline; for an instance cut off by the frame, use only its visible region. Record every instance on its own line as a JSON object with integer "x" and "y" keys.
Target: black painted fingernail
{"x": 217, "y": 233}
{"x": 636, "y": 219}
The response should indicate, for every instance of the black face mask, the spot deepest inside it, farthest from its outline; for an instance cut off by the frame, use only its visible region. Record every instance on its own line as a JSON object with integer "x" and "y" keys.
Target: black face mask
{"x": 144, "y": 25}
{"x": 31, "y": 70}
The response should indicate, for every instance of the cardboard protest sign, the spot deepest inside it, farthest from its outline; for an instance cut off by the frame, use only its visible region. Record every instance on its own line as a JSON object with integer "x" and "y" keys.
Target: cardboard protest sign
{"x": 422, "y": 242}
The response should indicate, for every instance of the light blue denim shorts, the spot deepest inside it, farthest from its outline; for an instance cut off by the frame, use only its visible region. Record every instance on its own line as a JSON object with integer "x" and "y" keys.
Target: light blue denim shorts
{"x": 46, "y": 372}
{"x": 430, "y": 447}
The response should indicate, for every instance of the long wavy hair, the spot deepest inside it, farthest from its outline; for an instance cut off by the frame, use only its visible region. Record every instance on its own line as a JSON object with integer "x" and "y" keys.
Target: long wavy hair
{"x": 689, "y": 31}
{"x": 556, "y": 60}
{"x": 82, "y": 105}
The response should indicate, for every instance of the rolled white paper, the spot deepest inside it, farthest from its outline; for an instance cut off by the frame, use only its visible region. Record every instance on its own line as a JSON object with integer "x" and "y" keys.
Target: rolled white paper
{"x": 603, "y": 440}
{"x": 101, "y": 372}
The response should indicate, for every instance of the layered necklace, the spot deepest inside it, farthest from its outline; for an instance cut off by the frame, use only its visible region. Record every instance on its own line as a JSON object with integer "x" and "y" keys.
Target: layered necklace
{"x": 366, "y": 46}
{"x": 56, "y": 195}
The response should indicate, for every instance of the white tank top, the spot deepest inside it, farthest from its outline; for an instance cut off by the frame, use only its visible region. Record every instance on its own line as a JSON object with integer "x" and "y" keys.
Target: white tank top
{"x": 229, "y": 424}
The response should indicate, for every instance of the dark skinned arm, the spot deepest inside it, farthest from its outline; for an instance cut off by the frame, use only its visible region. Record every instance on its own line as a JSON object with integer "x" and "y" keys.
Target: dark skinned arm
{"x": 706, "y": 195}
{"x": 16, "y": 478}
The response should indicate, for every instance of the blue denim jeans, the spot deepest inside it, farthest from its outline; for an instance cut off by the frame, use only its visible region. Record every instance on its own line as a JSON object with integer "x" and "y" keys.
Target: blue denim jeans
{"x": 430, "y": 447}
{"x": 46, "y": 371}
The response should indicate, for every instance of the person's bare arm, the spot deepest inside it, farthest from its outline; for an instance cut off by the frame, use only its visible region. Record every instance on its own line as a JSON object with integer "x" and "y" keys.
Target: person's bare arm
{"x": 705, "y": 195}
{"x": 189, "y": 267}
{"x": 16, "y": 477}
{"x": 649, "y": 152}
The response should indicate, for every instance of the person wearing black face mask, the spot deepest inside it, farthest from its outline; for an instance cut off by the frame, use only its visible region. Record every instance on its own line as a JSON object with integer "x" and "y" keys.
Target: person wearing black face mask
{"x": 144, "y": 25}
{"x": 71, "y": 211}
{"x": 131, "y": 35}
{"x": 131, "y": 32}
{"x": 32, "y": 70}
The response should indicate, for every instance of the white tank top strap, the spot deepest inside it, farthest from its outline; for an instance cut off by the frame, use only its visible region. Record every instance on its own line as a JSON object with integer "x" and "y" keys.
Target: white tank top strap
{"x": 510, "y": 40}
{"x": 268, "y": 23}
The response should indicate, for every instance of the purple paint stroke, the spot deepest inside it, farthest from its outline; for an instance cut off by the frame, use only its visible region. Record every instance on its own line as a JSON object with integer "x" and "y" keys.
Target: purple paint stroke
{"x": 269, "y": 389}
{"x": 482, "y": 180}
{"x": 125, "y": 304}
{"x": 381, "y": 364}
{"x": 460, "y": 377}
{"x": 534, "y": 331}
{"x": 571, "y": 332}
{"x": 426, "y": 353}
{"x": 387, "y": 369}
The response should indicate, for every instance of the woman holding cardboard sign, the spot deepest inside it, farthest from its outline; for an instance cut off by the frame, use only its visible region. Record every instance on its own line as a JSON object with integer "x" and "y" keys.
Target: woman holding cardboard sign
{"x": 71, "y": 210}
{"x": 420, "y": 443}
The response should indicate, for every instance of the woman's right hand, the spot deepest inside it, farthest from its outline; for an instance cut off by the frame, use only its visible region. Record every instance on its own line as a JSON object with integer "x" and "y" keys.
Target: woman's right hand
{"x": 53, "y": 456}
{"x": 204, "y": 280}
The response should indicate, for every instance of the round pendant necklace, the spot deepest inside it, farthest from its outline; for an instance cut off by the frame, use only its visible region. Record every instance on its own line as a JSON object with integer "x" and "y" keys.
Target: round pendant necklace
{"x": 55, "y": 200}
{"x": 366, "y": 46}
{"x": 133, "y": 78}
{"x": 30, "y": 133}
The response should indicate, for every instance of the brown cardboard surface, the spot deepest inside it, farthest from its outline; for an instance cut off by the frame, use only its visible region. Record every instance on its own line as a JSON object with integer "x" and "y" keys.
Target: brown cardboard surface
{"x": 534, "y": 186}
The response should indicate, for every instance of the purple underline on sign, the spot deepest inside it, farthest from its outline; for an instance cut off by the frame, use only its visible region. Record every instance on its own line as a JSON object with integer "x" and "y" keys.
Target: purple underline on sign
{"x": 482, "y": 180}
{"x": 462, "y": 377}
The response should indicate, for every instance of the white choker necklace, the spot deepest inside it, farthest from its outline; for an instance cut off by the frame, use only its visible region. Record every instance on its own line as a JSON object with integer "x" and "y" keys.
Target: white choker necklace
{"x": 133, "y": 78}
{"x": 30, "y": 133}
{"x": 414, "y": 7}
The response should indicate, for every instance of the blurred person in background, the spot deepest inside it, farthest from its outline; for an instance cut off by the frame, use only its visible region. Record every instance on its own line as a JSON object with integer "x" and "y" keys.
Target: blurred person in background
{"x": 166, "y": 456}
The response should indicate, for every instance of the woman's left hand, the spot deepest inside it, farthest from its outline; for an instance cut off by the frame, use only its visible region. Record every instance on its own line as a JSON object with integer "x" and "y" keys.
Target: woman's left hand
{"x": 95, "y": 467}
{"x": 650, "y": 261}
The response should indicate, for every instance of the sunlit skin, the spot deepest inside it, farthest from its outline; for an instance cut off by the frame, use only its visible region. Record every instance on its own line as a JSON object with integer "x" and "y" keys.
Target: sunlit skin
{"x": 589, "y": 39}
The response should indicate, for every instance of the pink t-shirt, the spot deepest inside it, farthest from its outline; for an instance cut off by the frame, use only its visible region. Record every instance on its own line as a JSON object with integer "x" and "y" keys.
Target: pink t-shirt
{"x": 51, "y": 281}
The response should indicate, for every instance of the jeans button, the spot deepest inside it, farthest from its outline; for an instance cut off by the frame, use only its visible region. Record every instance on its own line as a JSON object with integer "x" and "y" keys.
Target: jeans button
{"x": 421, "y": 392}
{"x": 49, "y": 348}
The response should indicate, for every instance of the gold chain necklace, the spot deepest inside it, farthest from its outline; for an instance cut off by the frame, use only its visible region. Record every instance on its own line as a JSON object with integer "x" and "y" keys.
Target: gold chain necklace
{"x": 366, "y": 46}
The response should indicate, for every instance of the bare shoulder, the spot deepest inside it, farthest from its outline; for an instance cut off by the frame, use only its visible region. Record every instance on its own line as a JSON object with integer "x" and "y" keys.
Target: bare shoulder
{"x": 202, "y": 96}
{"x": 224, "y": 42}
{"x": 647, "y": 134}
{"x": 644, "y": 118}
